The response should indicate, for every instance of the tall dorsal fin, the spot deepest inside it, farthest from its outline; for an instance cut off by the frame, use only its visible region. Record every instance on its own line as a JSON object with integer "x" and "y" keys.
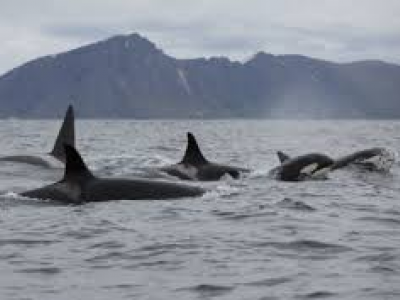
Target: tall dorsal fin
{"x": 193, "y": 154}
{"x": 66, "y": 135}
{"x": 282, "y": 156}
{"x": 75, "y": 167}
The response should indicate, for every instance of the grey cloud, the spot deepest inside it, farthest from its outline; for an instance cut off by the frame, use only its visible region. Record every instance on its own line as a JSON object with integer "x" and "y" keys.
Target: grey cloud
{"x": 202, "y": 38}
{"x": 336, "y": 30}
{"x": 73, "y": 31}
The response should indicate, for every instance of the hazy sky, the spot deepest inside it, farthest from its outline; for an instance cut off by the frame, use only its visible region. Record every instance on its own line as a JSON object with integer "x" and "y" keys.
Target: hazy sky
{"x": 339, "y": 30}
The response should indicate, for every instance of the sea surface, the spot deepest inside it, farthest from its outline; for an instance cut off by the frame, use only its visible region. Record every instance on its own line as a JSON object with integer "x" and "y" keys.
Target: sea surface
{"x": 253, "y": 238}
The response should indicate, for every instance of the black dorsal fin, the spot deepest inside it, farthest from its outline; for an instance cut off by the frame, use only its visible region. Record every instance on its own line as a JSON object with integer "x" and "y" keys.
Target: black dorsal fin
{"x": 282, "y": 156}
{"x": 75, "y": 167}
{"x": 193, "y": 154}
{"x": 66, "y": 135}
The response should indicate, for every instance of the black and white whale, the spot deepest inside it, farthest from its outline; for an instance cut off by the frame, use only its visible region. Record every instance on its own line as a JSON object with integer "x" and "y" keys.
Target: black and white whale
{"x": 79, "y": 186}
{"x": 372, "y": 159}
{"x": 308, "y": 166}
{"x": 66, "y": 135}
{"x": 194, "y": 166}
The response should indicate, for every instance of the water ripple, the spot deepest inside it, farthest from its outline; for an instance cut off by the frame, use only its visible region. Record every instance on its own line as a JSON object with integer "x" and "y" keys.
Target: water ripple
{"x": 305, "y": 246}
{"x": 210, "y": 290}
{"x": 41, "y": 271}
{"x": 319, "y": 295}
{"x": 26, "y": 242}
{"x": 296, "y": 205}
{"x": 269, "y": 282}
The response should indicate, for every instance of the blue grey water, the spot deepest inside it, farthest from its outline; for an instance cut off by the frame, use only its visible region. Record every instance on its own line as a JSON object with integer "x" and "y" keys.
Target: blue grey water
{"x": 254, "y": 238}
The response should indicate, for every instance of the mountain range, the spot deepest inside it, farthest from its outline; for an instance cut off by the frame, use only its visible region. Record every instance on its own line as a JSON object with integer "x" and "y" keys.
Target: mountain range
{"x": 127, "y": 76}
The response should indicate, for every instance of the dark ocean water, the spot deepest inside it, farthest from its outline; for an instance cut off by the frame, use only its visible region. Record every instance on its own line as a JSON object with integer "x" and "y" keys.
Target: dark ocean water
{"x": 253, "y": 238}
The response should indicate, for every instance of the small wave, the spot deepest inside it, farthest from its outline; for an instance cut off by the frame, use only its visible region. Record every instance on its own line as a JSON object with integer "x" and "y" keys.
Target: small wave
{"x": 382, "y": 257}
{"x": 210, "y": 290}
{"x": 41, "y": 271}
{"x": 243, "y": 216}
{"x": 10, "y": 256}
{"x": 121, "y": 286}
{"x": 141, "y": 253}
{"x": 107, "y": 245}
{"x": 316, "y": 245}
{"x": 87, "y": 232}
{"x": 383, "y": 269}
{"x": 110, "y": 257}
{"x": 388, "y": 221}
{"x": 269, "y": 282}
{"x": 296, "y": 205}
{"x": 306, "y": 245}
{"x": 165, "y": 148}
{"x": 221, "y": 191}
{"x": 11, "y": 199}
{"x": 168, "y": 247}
{"x": 9, "y": 195}
{"x": 155, "y": 263}
{"x": 157, "y": 161}
{"x": 262, "y": 173}
{"x": 220, "y": 213}
{"x": 318, "y": 295}
{"x": 23, "y": 242}
{"x": 237, "y": 216}
{"x": 393, "y": 212}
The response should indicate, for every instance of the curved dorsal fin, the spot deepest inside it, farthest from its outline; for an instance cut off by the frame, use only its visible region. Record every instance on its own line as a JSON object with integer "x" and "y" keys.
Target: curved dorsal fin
{"x": 193, "y": 154}
{"x": 66, "y": 135}
{"x": 282, "y": 156}
{"x": 75, "y": 167}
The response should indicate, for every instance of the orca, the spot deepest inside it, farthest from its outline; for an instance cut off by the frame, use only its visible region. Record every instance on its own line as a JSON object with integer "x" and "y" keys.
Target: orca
{"x": 66, "y": 135}
{"x": 308, "y": 166}
{"x": 194, "y": 166}
{"x": 79, "y": 186}
{"x": 373, "y": 159}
